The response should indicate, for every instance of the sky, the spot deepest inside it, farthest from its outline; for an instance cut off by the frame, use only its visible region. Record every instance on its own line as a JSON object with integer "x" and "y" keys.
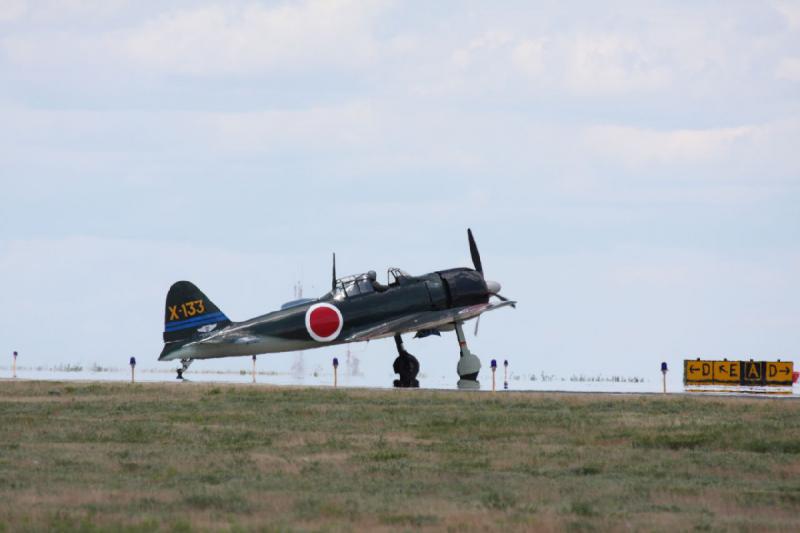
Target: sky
{"x": 631, "y": 171}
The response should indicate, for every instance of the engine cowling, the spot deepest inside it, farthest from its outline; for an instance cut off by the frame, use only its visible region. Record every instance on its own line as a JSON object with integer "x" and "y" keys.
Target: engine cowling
{"x": 464, "y": 287}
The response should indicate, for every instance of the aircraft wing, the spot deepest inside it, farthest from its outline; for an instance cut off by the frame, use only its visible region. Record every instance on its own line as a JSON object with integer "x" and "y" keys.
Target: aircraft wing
{"x": 423, "y": 321}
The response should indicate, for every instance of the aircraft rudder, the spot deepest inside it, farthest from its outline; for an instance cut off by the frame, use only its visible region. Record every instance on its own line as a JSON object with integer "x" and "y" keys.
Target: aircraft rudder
{"x": 189, "y": 313}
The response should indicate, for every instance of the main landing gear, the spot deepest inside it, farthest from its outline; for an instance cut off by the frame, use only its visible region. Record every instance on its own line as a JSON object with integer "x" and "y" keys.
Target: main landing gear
{"x": 406, "y": 365}
{"x": 468, "y": 364}
{"x": 184, "y": 367}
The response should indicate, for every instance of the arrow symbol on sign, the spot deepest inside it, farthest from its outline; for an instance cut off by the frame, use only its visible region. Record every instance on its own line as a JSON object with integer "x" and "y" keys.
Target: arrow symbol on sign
{"x": 723, "y": 369}
{"x": 694, "y": 368}
{"x": 785, "y": 370}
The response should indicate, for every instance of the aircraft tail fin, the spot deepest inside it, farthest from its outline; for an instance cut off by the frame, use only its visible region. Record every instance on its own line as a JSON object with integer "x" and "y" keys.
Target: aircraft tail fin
{"x": 189, "y": 314}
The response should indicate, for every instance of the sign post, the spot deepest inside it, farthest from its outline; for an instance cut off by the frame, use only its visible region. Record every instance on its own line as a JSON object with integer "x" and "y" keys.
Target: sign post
{"x": 14, "y": 365}
{"x": 494, "y": 369}
{"x": 505, "y": 377}
{"x": 254, "y": 368}
{"x": 133, "y": 367}
{"x": 664, "y": 376}
{"x": 335, "y": 371}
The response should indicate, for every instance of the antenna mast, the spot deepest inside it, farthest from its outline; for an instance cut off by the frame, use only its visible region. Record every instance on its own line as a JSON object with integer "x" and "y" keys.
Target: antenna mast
{"x": 298, "y": 366}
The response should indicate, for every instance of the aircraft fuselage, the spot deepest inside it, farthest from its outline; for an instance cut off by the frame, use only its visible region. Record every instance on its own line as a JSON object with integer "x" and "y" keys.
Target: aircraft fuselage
{"x": 332, "y": 319}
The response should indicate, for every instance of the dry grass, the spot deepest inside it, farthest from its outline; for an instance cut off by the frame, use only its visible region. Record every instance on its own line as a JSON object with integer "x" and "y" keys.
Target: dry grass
{"x": 190, "y": 456}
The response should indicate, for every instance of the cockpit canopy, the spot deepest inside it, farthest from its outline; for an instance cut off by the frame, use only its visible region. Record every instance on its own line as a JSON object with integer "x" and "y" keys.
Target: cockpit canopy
{"x": 396, "y": 275}
{"x": 360, "y": 284}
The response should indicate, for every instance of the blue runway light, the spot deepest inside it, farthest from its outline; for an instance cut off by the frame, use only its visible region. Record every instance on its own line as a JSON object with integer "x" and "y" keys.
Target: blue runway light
{"x": 335, "y": 362}
{"x": 133, "y": 361}
{"x": 494, "y": 363}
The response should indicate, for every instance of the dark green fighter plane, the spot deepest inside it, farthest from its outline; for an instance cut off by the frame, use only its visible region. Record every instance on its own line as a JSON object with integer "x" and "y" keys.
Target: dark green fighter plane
{"x": 357, "y": 308}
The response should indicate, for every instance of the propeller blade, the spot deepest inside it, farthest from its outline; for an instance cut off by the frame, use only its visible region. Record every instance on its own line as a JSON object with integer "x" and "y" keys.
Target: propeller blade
{"x": 477, "y": 323}
{"x": 514, "y": 305}
{"x": 333, "y": 277}
{"x": 473, "y": 251}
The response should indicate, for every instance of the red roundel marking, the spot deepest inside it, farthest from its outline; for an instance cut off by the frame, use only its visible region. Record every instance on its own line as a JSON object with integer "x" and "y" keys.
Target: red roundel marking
{"x": 324, "y": 321}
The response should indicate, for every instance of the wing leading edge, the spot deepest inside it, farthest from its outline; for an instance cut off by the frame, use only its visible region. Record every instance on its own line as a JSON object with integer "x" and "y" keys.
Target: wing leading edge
{"x": 423, "y": 321}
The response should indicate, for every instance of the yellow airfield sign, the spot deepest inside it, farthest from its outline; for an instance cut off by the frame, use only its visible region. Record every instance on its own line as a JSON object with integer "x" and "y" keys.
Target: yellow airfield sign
{"x": 698, "y": 371}
{"x": 745, "y": 373}
{"x": 753, "y": 373}
{"x": 727, "y": 372}
{"x": 778, "y": 373}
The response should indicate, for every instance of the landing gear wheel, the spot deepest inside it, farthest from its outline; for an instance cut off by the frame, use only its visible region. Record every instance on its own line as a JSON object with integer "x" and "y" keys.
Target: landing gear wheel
{"x": 468, "y": 368}
{"x": 468, "y": 363}
{"x": 408, "y": 367}
{"x": 184, "y": 367}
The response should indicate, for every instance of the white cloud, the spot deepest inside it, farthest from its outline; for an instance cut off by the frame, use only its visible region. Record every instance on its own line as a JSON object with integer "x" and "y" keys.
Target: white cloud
{"x": 321, "y": 129}
{"x": 11, "y": 10}
{"x": 528, "y": 56}
{"x": 788, "y": 69}
{"x": 228, "y": 39}
{"x": 613, "y": 63}
{"x": 583, "y": 63}
{"x": 436, "y": 119}
{"x": 636, "y": 146}
{"x": 790, "y": 10}
{"x": 488, "y": 42}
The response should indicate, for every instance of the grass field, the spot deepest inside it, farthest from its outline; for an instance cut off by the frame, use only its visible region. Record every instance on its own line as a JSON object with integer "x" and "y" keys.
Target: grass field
{"x": 190, "y": 456}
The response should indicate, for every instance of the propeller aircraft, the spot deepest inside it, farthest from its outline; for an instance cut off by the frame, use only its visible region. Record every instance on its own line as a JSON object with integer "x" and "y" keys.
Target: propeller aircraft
{"x": 357, "y": 308}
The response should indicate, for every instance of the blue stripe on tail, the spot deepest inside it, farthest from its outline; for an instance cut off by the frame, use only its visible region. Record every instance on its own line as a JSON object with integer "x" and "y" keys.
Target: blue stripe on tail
{"x": 195, "y": 322}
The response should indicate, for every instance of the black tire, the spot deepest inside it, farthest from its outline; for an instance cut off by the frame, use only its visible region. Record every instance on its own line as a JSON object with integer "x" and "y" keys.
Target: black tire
{"x": 407, "y": 366}
{"x": 403, "y": 369}
{"x": 413, "y": 366}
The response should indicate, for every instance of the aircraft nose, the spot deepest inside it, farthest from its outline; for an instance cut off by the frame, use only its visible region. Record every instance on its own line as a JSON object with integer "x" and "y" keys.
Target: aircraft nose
{"x": 493, "y": 287}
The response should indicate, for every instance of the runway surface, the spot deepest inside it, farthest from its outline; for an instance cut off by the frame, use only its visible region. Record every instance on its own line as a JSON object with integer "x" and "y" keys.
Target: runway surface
{"x": 516, "y": 383}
